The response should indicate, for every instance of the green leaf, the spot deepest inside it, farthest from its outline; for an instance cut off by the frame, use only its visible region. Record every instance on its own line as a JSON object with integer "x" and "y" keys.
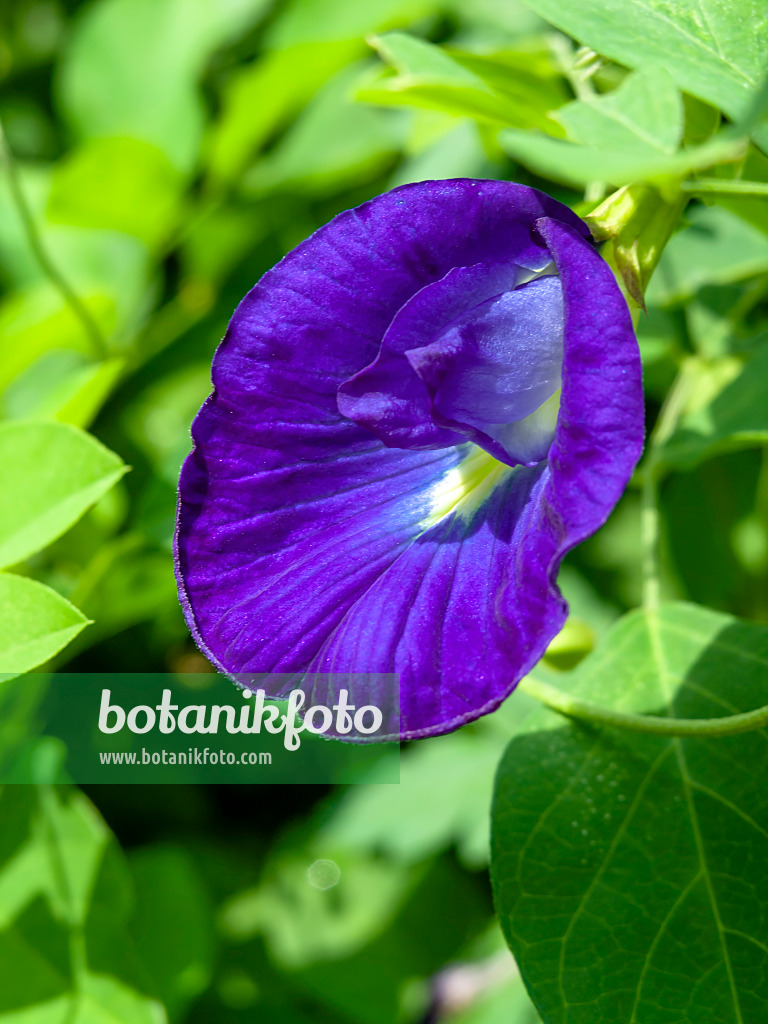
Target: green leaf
{"x": 750, "y": 208}
{"x": 730, "y": 413}
{"x": 61, "y": 385}
{"x": 305, "y": 923}
{"x": 307, "y": 21}
{"x": 127, "y": 584}
{"x": 85, "y": 392}
{"x": 446, "y": 782}
{"x": 132, "y": 66}
{"x": 623, "y": 164}
{"x": 50, "y": 473}
{"x": 644, "y": 116}
{"x": 629, "y": 870}
{"x": 37, "y": 321}
{"x": 35, "y": 624}
{"x": 172, "y": 927}
{"x": 443, "y": 798}
{"x": 278, "y": 85}
{"x": 703, "y": 512}
{"x": 354, "y": 945}
{"x": 715, "y": 248}
{"x": 120, "y": 184}
{"x": 309, "y": 43}
{"x": 630, "y": 134}
{"x": 335, "y": 143}
{"x": 515, "y": 89}
{"x": 64, "y": 899}
{"x": 713, "y": 50}
{"x": 104, "y": 267}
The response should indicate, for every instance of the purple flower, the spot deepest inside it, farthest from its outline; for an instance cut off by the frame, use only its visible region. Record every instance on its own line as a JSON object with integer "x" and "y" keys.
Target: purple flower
{"x": 416, "y": 414}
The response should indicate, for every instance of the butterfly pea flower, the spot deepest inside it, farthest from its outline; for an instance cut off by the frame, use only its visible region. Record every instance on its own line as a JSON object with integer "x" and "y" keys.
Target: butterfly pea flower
{"x": 416, "y": 414}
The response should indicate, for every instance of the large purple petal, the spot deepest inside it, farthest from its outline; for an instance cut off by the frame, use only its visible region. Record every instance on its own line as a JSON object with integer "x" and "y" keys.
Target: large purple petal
{"x": 304, "y": 543}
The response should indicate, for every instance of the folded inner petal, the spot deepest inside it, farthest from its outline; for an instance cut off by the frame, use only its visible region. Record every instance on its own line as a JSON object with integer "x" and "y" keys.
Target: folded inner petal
{"x": 473, "y": 356}
{"x": 497, "y": 365}
{"x": 388, "y": 396}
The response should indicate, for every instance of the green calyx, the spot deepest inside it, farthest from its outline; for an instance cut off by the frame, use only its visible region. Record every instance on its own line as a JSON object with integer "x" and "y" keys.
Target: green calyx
{"x": 635, "y": 224}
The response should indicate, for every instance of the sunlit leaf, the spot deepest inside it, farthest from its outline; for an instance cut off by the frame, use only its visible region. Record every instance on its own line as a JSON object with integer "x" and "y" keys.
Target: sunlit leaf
{"x": 50, "y": 473}
{"x": 35, "y": 624}
{"x": 579, "y": 165}
{"x": 715, "y": 51}
{"x": 121, "y": 184}
{"x": 510, "y": 89}
{"x": 38, "y": 321}
{"x": 278, "y": 85}
{"x": 62, "y": 385}
{"x": 132, "y": 66}
{"x": 333, "y": 144}
{"x": 644, "y": 116}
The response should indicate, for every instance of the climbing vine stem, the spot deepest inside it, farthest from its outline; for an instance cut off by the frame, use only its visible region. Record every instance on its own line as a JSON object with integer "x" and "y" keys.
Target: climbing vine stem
{"x": 41, "y": 254}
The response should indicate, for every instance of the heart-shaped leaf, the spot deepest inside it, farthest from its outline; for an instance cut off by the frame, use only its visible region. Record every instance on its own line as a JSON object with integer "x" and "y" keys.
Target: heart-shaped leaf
{"x": 631, "y": 870}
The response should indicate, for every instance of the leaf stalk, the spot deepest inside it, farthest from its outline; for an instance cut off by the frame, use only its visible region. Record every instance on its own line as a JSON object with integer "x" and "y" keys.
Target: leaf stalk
{"x": 693, "y": 728}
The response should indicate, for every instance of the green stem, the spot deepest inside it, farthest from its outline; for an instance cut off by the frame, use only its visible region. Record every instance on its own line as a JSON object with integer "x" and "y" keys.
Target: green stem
{"x": 700, "y": 728}
{"x": 76, "y": 943}
{"x": 649, "y": 510}
{"x": 47, "y": 265}
{"x": 649, "y": 532}
{"x": 578, "y": 68}
{"x": 725, "y": 187}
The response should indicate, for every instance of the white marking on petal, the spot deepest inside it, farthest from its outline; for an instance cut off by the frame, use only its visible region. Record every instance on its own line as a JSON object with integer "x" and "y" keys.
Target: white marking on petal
{"x": 463, "y": 489}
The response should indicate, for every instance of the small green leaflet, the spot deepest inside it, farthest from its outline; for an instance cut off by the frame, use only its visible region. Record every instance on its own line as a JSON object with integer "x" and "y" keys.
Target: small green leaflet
{"x": 507, "y": 89}
{"x": 630, "y": 871}
{"x": 50, "y": 474}
{"x": 644, "y": 115}
{"x": 35, "y": 624}
{"x": 630, "y": 134}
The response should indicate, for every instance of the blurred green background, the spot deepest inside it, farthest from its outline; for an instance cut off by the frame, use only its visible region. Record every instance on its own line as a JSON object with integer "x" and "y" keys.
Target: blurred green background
{"x": 168, "y": 152}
